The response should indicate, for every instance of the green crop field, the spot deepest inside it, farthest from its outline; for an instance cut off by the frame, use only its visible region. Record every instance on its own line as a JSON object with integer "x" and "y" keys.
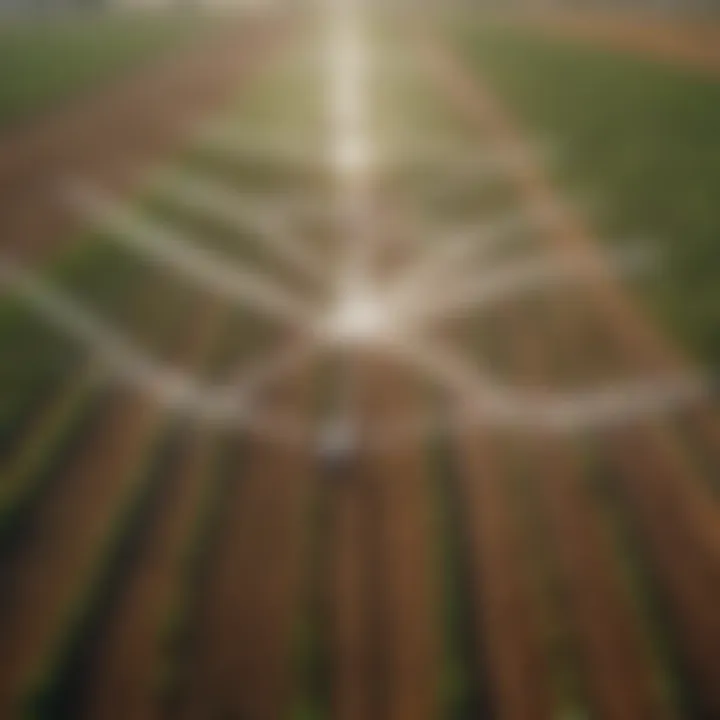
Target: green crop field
{"x": 635, "y": 138}
{"x": 45, "y": 61}
{"x": 165, "y": 552}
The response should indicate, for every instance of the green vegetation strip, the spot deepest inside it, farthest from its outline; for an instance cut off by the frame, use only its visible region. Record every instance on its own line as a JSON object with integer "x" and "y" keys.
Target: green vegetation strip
{"x": 464, "y": 689}
{"x": 177, "y": 631}
{"x": 25, "y": 473}
{"x": 36, "y": 360}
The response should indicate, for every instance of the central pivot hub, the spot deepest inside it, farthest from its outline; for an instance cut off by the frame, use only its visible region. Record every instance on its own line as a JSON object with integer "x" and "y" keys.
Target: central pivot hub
{"x": 358, "y": 317}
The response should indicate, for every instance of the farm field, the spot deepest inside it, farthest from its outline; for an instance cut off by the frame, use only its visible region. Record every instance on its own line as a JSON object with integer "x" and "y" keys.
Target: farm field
{"x": 46, "y": 61}
{"x": 633, "y": 140}
{"x": 690, "y": 42}
{"x": 340, "y": 398}
{"x": 117, "y": 133}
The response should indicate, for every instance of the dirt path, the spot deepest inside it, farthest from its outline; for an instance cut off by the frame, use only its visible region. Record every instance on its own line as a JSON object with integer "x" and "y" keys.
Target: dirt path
{"x": 114, "y": 136}
{"x": 672, "y": 41}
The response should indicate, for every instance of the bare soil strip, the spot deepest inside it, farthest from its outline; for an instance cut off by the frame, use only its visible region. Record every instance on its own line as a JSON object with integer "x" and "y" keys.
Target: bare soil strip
{"x": 240, "y": 661}
{"x": 353, "y": 590}
{"x": 507, "y": 621}
{"x": 409, "y": 643}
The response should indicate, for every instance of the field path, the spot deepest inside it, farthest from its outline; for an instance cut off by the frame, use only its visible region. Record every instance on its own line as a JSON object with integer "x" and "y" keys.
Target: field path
{"x": 672, "y": 41}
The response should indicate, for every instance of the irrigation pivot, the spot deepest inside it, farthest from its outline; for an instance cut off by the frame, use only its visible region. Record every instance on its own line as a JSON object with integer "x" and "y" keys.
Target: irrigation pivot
{"x": 356, "y": 304}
